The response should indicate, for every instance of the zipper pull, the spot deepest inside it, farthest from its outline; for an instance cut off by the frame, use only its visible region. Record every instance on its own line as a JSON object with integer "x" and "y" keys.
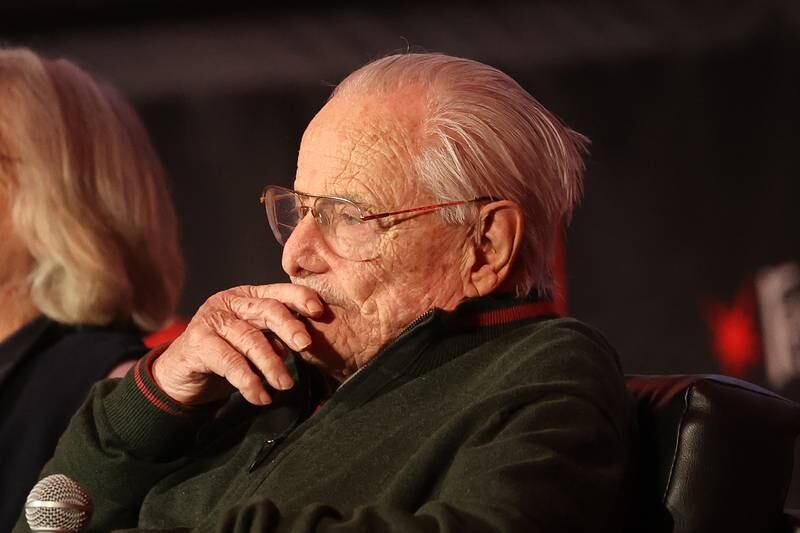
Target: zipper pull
{"x": 263, "y": 452}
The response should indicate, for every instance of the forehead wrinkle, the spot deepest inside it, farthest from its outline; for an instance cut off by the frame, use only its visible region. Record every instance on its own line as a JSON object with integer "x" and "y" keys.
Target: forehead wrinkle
{"x": 348, "y": 183}
{"x": 373, "y": 170}
{"x": 389, "y": 167}
{"x": 370, "y": 143}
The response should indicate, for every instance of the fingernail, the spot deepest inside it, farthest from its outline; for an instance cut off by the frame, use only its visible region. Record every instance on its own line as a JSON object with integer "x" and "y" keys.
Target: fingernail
{"x": 285, "y": 382}
{"x": 313, "y": 306}
{"x": 301, "y": 340}
{"x": 264, "y": 398}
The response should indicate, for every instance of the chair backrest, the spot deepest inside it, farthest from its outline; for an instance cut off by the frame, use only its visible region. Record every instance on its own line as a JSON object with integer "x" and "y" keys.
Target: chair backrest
{"x": 715, "y": 454}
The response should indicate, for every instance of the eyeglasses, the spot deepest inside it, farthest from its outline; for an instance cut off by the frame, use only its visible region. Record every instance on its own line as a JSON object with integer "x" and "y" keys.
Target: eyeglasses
{"x": 347, "y": 228}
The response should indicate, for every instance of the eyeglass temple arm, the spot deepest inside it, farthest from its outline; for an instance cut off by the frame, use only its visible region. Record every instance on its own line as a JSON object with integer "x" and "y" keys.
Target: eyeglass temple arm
{"x": 428, "y": 208}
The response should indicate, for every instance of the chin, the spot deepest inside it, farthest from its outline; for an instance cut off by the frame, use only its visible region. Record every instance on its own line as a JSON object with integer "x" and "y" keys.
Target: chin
{"x": 323, "y": 340}
{"x": 326, "y": 361}
{"x": 329, "y": 348}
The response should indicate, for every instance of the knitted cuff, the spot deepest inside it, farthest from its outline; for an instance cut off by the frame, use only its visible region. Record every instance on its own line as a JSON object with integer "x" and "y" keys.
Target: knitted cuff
{"x": 145, "y": 418}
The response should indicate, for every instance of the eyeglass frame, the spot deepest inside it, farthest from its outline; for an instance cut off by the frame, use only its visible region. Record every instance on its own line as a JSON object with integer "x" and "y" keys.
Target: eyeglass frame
{"x": 362, "y": 209}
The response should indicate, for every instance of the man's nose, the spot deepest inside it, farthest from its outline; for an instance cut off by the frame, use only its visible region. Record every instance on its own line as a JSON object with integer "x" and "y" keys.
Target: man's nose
{"x": 301, "y": 253}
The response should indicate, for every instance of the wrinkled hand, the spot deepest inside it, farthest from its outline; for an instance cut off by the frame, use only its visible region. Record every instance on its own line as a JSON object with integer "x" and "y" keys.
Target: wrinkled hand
{"x": 224, "y": 348}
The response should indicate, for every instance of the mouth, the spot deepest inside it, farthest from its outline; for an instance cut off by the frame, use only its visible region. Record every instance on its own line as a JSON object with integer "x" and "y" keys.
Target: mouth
{"x": 328, "y": 315}
{"x": 330, "y": 296}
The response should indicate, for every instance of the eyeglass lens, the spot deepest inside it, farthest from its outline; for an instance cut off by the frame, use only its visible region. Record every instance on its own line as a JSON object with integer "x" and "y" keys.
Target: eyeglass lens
{"x": 339, "y": 222}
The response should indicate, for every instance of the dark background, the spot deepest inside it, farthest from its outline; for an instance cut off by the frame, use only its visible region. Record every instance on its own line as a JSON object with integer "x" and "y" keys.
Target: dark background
{"x": 692, "y": 108}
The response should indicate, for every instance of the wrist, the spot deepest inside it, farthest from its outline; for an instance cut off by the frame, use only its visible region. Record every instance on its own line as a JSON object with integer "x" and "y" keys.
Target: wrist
{"x": 144, "y": 418}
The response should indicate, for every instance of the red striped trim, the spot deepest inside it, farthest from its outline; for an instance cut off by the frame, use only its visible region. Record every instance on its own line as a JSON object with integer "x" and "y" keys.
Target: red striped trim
{"x": 510, "y": 314}
{"x": 146, "y": 392}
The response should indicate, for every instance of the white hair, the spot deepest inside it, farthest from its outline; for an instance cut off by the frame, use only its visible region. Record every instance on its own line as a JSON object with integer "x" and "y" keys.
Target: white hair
{"x": 487, "y": 136}
{"x": 88, "y": 196}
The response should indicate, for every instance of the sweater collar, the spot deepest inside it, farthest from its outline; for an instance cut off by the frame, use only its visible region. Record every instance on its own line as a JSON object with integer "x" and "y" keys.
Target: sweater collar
{"x": 437, "y": 337}
{"x": 502, "y": 311}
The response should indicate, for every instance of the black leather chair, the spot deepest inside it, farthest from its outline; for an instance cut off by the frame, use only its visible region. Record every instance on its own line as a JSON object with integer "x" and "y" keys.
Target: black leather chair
{"x": 715, "y": 455}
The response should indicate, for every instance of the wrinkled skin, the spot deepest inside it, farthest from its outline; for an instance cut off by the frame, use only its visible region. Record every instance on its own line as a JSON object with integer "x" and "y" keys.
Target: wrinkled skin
{"x": 362, "y": 149}
{"x": 338, "y": 312}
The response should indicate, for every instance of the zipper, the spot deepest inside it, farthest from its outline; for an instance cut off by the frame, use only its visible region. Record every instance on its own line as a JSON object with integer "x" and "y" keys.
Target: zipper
{"x": 416, "y": 322}
{"x": 270, "y": 444}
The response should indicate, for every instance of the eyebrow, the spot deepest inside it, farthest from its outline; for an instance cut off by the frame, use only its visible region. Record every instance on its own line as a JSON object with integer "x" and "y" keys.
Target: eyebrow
{"x": 340, "y": 188}
{"x": 355, "y": 197}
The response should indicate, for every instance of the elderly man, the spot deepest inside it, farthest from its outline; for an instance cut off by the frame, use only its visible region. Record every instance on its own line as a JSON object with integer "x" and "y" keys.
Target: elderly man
{"x": 412, "y": 377}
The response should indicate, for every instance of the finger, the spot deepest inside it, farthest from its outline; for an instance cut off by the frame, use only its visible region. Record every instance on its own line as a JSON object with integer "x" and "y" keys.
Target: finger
{"x": 231, "y": 365}
{"x": 280, "y": 347}
{"x": 250, "y": 342}
{"x": 272, "y": 315}
{"x": 297, "y": 297}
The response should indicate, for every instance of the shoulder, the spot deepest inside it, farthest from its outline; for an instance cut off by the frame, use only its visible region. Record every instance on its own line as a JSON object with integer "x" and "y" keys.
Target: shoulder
{"x": 61, "y": 367}
{"x": 561, "y": 344}
{"x": 99, "y": 348}
{"x": 559, "y": 358}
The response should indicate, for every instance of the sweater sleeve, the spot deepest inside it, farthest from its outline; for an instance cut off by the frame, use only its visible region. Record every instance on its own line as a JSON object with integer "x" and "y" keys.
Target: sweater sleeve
{"x": 127, "y": 435}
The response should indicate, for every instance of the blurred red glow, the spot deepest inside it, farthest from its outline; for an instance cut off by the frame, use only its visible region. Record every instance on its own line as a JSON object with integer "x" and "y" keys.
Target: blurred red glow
{"x": 734, "y": 330}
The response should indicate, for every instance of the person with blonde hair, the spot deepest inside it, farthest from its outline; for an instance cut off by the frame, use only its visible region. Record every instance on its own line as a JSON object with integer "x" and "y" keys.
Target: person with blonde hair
{"x": 413, "y": 376}
{"x": 89, "y": 257}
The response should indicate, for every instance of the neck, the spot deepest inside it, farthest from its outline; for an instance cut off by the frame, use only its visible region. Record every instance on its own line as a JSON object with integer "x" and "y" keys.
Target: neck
{"x": 16, "y": 310}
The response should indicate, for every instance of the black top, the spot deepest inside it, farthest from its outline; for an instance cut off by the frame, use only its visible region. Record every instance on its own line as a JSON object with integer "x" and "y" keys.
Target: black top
{"x": 46, "y": 371}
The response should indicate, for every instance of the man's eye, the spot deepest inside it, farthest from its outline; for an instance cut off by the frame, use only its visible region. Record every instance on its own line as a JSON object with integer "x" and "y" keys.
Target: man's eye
{"x": 349, "y": 219}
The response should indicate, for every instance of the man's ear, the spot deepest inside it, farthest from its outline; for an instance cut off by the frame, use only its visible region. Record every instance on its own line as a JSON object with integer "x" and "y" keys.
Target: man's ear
{"x": 499, "y": 234}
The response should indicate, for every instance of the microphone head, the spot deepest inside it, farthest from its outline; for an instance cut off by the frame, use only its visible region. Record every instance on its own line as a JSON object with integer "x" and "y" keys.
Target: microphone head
{"x": 58, "y": 503}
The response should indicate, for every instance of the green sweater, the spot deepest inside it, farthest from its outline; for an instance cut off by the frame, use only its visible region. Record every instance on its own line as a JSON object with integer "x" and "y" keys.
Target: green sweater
{"x": 489, "y": 418}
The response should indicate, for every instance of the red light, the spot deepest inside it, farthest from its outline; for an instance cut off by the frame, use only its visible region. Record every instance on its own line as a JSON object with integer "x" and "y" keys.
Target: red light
{"x": 735, "y": 337}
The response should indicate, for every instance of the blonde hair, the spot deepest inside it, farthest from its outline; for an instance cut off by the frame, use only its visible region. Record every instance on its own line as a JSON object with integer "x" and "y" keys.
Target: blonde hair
{"x": 88, "y": 196}
{"x": 487, "y": 136}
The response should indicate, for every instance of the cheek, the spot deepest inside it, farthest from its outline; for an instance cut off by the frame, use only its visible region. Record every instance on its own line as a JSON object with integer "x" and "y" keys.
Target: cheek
{"x": 359, "y": 282}
{"x": 408, "y": 272}
{"x": 419, "y": 267}
{"x": 378, "y": 285}
{"x": 427, "y": 255}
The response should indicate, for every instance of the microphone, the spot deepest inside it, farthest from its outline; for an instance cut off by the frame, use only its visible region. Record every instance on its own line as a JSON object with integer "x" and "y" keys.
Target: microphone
{"x": 58, "y": 504}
